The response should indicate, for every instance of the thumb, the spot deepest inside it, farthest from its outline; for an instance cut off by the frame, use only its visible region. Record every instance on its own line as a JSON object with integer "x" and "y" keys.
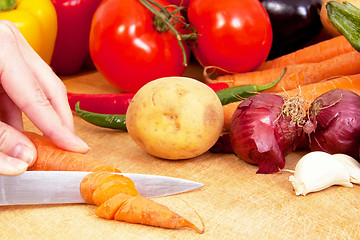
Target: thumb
{"x": 16, "y": 151}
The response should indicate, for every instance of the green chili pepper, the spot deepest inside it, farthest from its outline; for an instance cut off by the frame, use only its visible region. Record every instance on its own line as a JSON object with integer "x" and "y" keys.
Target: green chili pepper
{"x": 114, "y": 121}
{"x": 346, "y": 19}
{"x": 238, "y": 93}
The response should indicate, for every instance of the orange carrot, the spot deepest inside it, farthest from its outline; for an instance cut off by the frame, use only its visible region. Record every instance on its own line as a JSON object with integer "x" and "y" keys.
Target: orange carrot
{"x": 308, "y": 92}
{"x": 108, "y": 209}
{"x": 112, "y": 188}
{"x": 52, "y": 158}
{"x": 94, "y": 180}
{"x": 229, "y": 110}
{"x": 120, "y": 201}
{"x": 300, "y": 74}
{"x": 314, "y": 53}
{"x": 311, "y": 91}
{"x": 141, "y": 210}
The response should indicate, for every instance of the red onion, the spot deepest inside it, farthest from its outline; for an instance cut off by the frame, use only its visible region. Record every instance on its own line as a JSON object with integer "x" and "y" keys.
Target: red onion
{"x": 334, "y": 123}
{"x": 265, "y": 128}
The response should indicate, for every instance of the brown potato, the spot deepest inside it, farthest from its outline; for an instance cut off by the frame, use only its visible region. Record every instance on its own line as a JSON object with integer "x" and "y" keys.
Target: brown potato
{"x": 175, "y": 118}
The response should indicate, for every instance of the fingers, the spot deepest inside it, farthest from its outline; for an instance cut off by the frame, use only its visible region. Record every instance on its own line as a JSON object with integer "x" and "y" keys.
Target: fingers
{"x": 11, "y": 166}
{"x": 49, "y": 82}
{"x": 36, "y": 90}
{"x": 10, "y": 113}
{"x": 17, "y": 152}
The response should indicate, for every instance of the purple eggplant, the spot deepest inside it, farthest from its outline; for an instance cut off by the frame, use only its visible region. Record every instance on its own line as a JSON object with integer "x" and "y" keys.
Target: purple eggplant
{"x": 295, "y": 23}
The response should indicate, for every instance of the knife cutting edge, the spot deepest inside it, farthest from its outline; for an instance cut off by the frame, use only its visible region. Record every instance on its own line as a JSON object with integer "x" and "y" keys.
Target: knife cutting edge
{"x": 53, "y": 187}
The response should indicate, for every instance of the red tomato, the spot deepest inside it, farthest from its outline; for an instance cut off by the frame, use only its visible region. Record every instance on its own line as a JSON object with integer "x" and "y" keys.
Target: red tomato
{"x": 235, "y": 35}
{"x": 126, "y": 48}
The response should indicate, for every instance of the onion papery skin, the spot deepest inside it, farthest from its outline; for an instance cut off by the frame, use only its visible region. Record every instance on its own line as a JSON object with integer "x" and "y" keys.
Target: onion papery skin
{"x": 261, "y": 135}
{"x": 334, "y": 123}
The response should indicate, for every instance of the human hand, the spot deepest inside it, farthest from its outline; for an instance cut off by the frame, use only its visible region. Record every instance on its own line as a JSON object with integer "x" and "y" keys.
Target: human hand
{"x": 29, "y": 86}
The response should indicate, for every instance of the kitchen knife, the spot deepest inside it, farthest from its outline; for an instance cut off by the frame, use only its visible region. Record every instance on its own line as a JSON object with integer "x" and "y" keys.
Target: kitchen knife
{"x": 51, "y": 187}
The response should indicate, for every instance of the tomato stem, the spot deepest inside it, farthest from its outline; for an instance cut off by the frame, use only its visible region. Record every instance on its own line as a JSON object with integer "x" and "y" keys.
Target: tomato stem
{"x": 162, "y": 21}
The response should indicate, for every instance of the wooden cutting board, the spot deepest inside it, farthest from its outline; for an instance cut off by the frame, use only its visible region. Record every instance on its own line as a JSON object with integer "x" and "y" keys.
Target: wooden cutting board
{"x": 235, "y": 203}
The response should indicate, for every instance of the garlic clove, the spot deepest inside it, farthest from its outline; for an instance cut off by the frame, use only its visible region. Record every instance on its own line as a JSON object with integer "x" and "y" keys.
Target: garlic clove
{"x": 351, "y": 165}
{"x": 318, "y": 170}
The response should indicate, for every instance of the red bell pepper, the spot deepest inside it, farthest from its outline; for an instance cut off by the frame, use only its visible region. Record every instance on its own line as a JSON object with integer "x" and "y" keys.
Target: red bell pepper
{"x": 71, "y": 51}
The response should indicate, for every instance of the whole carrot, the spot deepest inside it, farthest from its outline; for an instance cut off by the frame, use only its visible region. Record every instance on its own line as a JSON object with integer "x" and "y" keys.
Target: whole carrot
{"x": 300, "y": 74}
{"x": 229, "y": 110}
{"x": 314, "y": 53}
{"x": 52, "y": 158}
{"x": 311, "y": 91}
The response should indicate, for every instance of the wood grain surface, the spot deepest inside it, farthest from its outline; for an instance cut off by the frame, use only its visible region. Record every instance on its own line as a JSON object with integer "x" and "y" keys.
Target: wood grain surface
{"x": 235, "y": 203}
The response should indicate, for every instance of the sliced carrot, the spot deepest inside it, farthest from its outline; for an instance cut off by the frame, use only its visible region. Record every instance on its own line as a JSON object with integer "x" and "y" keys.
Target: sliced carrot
{"x": 109, "y": 189}
{"x": 94, "y": 180}
{"x": 89, "y": 185}
{"x": 108, "y": 209}
{"x": 120, "y": 201}
{"x": 142, "y": 210}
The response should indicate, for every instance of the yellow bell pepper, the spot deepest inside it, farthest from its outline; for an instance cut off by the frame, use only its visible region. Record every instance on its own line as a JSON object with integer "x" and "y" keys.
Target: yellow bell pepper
{"x": 37, "y": 22}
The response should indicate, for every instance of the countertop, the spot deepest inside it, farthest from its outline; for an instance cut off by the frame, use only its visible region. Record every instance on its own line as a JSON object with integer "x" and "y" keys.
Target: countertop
{"x": 235, "y": 203}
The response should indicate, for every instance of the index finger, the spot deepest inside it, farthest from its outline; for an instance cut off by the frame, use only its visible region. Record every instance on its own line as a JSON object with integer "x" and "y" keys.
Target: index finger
{"x": 23, "y": 88}
{"x": 49, "y": 82}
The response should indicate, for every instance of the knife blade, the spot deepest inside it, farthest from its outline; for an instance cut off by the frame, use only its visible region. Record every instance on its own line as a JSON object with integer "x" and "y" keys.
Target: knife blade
{"x": 54, "y": 187}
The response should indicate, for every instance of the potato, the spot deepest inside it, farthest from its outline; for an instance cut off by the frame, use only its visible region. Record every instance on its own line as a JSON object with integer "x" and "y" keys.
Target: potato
{"x": 175, "y": 118}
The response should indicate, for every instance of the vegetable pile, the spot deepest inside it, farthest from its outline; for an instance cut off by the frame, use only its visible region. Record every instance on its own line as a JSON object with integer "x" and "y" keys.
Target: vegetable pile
{"x": 301, "y": 78}
{"x": 275, "y": 90}
{"x": 258, "y": 133}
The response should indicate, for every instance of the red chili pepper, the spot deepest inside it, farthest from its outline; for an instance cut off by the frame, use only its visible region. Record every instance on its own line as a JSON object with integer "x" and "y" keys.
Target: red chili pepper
{"x": 218, "y": 86}
{"x": 116, "y": 103}
{"x": 71, "y": 50}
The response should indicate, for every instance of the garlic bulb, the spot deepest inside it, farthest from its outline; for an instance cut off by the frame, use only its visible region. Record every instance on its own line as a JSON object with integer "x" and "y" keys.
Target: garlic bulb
{"x": 351, "y": 165}
{"x": 318, "y": 170}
